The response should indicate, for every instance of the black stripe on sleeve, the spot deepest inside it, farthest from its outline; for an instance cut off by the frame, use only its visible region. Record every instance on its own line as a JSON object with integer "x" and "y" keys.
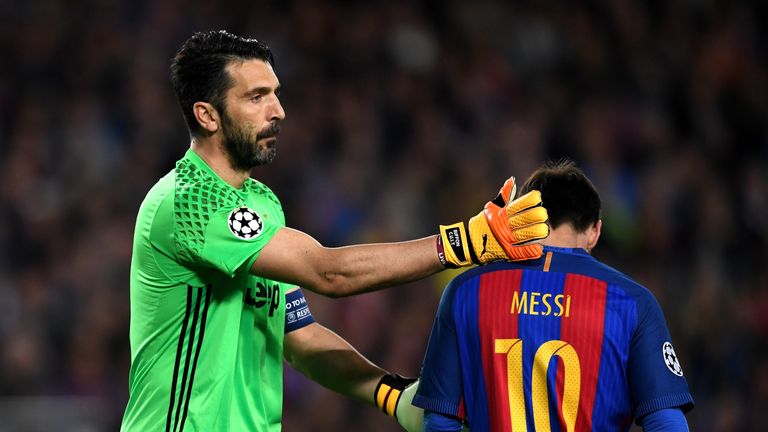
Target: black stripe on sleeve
{"x": 179, "y": 347}
{"x": 197, "y": 354}
{"x": 188, "y": 356}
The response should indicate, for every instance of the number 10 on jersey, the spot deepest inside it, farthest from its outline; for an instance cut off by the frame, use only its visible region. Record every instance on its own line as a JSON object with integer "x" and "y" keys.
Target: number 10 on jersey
{"x": 513, "y": 348}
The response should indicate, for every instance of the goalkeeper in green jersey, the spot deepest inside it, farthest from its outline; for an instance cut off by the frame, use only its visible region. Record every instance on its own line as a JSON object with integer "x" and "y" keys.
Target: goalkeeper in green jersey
{"x": 214, "y": 274}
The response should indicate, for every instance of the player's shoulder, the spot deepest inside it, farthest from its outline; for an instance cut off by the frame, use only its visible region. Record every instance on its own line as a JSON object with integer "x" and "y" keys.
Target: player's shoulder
{"x": 476, "y": 272}
{"x": 156, "y": 195}
{"x": 258, "y": 187}
{"x": 195, "y": 183}
{"x": 466, "y": 279}
{"x": 577, "y": 261}
{"x": 462, "y": 278}
{"x": 618, "y": 280}
{"x": 261, "y": 191}
{"x": 154, "y": 220}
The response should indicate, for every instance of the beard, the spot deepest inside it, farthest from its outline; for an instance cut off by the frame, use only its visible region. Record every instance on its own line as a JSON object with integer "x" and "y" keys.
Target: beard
{"x": 243, "y": 145}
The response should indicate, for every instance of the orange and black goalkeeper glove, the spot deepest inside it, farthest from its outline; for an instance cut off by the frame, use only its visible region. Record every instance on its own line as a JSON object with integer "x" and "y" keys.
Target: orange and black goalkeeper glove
{"x": 506, "y": 229}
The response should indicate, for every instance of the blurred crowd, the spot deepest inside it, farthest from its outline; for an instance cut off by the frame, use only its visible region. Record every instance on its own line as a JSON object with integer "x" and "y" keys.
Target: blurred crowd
{"x": 400, "y": 116}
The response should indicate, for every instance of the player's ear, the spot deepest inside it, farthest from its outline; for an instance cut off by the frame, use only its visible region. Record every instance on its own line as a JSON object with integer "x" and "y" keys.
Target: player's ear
{"x": 593, "y": 234}
{"x": 207, "y": 116}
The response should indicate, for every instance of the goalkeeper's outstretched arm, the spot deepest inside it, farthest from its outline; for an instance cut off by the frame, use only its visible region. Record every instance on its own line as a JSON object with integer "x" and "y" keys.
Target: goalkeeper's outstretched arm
{"x": 505, "y": 229}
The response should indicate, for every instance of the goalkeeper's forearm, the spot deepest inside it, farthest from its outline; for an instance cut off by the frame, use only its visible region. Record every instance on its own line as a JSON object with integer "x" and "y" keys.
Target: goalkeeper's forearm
{"x": 326, "y": 358}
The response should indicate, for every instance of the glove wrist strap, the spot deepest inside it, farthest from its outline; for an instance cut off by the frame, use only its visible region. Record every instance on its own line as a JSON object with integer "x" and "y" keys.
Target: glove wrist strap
{"x": 456, "y": 245}
{"x": 388, "y": 391}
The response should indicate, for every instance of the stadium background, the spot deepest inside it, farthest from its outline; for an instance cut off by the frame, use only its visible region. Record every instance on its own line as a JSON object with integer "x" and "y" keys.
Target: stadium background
{"x": 399, "y": 117}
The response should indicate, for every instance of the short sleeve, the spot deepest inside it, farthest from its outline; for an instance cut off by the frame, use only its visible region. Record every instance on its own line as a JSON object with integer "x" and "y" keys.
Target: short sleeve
{"x": 440, "y": 389}
{"x": 655, "y": 375}
{"x": 434, "y": 422}
{"x": 234, "y": 236}
{"x": 216, "y": 225}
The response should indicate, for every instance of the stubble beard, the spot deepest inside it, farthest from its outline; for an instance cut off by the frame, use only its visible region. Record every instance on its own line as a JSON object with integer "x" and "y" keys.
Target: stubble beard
{"x": 248, "y": 148}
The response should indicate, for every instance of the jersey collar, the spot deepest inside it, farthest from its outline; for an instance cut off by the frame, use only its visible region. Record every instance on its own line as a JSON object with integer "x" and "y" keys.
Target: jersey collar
{"x": 569, "y": 251}
{"x": 196, "y": 160}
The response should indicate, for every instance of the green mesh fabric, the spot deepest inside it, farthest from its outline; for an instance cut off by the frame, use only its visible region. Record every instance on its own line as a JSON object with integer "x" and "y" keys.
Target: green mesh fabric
{"x": 198, "y": 195}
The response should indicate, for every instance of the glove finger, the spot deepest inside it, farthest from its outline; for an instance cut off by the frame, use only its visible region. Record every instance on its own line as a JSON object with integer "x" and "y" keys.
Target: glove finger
{"x": 531, "y": 199}
{"x": 530, "y": 233}
{"x": 528, "y": 217}
{"x": 506, "y": 193}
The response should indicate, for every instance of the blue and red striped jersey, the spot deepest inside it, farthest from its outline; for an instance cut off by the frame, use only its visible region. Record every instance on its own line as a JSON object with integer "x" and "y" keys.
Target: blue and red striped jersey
{"x": 559, "y": 343}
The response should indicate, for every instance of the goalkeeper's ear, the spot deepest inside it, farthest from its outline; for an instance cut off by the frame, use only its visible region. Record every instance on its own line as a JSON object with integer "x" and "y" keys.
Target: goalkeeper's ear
{"x": 207, "y": 116}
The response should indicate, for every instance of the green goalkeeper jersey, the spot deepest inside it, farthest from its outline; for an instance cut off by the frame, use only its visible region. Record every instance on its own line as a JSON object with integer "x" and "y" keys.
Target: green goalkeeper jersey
{"x": 206, "y": 336}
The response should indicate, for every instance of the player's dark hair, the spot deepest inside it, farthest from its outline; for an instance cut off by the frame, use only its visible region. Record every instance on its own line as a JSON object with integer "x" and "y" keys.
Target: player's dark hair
{"x": 567, "y": 194}
{"x": 198, "y": 71}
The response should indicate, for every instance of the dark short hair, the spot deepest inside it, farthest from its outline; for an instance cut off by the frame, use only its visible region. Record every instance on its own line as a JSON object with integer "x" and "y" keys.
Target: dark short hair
{"x": 198, "y": 71}
{"x": 567, "y": 194}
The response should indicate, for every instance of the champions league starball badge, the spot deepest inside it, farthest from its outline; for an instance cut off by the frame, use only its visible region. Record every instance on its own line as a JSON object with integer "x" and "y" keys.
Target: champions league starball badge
{"x": 244, "y": 223}
{"x": 670, "y": 359}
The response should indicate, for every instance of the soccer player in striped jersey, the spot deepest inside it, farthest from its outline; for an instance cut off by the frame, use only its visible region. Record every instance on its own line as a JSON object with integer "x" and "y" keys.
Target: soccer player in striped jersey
{"x": 562, "y": 343}
{"x": 213, "y": 260}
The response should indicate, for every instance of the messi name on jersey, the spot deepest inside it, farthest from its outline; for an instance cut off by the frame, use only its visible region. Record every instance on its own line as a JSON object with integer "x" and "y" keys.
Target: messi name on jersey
{"x": 536, "y": 303}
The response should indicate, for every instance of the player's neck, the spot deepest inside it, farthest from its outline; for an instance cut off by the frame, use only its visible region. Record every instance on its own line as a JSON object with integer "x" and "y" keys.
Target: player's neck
{"x": 565, "y": 236}
{"x": 214, "y": 156}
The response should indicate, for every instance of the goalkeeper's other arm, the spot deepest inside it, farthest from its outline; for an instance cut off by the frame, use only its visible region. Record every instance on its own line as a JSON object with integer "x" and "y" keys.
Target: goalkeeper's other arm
{"x": 326, "y": 358}
{"x": 329, "y": 360}
{"x": 504, "y": 230}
